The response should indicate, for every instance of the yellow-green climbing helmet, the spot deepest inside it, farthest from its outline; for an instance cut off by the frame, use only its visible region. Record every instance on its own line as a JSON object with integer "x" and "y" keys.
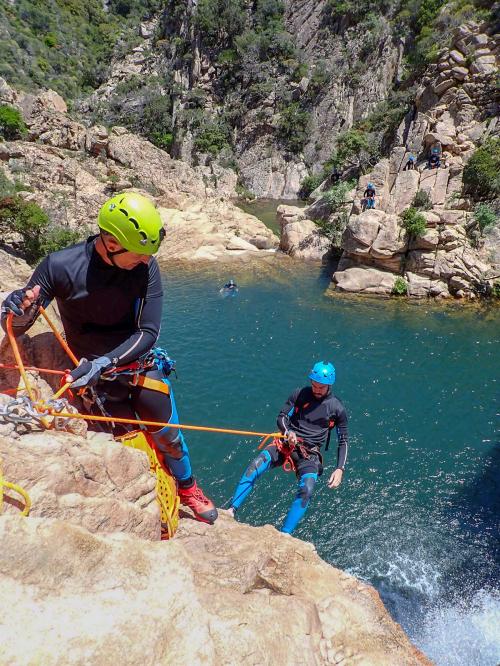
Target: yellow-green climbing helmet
{"x": 134, "y": 221}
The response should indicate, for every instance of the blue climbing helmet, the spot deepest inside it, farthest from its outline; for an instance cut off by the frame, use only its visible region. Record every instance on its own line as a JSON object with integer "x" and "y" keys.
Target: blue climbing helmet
{"x": 370, "y": 186}
{"x": 323, "y": 373}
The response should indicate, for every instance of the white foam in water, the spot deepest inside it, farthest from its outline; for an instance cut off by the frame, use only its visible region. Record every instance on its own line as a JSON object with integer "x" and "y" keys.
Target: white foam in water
{"x": 463, "y": 634}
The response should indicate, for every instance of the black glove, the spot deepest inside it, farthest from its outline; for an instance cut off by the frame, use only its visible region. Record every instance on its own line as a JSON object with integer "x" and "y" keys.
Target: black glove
{"x": 13, "y": 303}
{"x": 89, "y": 372}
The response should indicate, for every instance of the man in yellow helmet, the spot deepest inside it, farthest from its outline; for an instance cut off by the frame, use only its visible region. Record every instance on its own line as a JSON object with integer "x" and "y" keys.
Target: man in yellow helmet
{"x": 109, "y": 294}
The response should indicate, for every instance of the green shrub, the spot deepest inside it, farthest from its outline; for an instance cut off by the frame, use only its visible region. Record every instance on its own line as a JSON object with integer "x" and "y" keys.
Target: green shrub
{"x": 12, "y": 125}
{"x": 293, "y": 127}
{"x": 29, "y": 220}
{"x": 400, "y": 287}
{"x": 414, "y": 222}
{"x": 309, "y": 184}
{"x": 56, "y": 238}
{"x": 495, "y": 290}
{"x": 422, "y": 201}
{"x": 212, "y": 138}
{"x": 481, "y": 175}
{"x": 351, "y": 145}
{"x": 484, "y": 216}
{"x": 6, "y": 186}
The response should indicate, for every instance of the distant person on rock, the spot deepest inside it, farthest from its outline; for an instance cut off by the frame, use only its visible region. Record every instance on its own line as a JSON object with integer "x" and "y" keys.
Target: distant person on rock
{"x": 109, "y": 295}
{"x": 369, "y": 196}
{"x": 434, "y": 162}
{"x": 335, "y": 176}
{"x": 306, "y": 419}
{"x": 411, "y": 163}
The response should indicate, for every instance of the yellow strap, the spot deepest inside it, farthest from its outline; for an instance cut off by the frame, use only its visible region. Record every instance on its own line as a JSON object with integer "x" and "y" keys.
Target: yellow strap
{"x": 153, "y": 384}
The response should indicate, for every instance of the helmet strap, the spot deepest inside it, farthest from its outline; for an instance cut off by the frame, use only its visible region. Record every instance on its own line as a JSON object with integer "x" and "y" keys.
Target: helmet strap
{"x": 111, "y": 255}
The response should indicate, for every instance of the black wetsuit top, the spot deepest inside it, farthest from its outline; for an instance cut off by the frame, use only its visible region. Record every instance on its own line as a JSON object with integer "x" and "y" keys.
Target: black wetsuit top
{"x": 105, "y": 311}
{"x": 311, "y": 418}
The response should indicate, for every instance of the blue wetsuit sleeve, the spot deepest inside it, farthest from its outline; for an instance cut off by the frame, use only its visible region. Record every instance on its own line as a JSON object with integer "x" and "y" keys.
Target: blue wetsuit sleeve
{"x": 43, "y": 277}
{"x": 148, "y": 321}
{"x": 283, "y": 420}
{"x": 342, "y": 437}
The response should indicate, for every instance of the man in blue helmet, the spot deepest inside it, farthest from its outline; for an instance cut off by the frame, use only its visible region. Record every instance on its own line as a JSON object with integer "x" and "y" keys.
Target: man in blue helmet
{"x": 306, "y": 420}
{"x": 369, "y": 196}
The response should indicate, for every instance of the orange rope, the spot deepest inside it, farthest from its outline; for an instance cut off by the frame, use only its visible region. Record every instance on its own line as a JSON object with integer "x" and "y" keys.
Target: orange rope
{"x": 6, "y": 366}
{"x": 59, "y": 337}
{"x": 17, "y": 356}
{"x": 180, "y": 426}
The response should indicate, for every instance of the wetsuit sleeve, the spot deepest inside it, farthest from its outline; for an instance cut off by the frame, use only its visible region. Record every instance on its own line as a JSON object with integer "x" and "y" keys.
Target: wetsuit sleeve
{"x": 286, "y": 411}
{"x": 148, "y": 321}
{"x": 343, "y": 437}
{"x": 43, "y": 277}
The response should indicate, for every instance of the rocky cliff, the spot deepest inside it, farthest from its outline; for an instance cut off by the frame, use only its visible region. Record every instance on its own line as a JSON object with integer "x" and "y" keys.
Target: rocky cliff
{"x": 267, "y": 92}
{"x": 70, "y": 170}
{"x": 456, "y": 110}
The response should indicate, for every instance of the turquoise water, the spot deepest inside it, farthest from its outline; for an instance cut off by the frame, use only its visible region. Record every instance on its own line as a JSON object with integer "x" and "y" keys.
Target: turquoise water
{"x": 417, "y": 515}
{"x": 265, "y": 210}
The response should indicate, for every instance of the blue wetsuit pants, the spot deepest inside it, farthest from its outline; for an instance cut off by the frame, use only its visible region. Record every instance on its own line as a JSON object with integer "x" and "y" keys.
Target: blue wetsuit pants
{"x": 308, "y": 470}
{"x": 152, "y": 401}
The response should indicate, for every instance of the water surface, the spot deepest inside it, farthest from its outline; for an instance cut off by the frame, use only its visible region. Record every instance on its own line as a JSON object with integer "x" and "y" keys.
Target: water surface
{"x": 417, "y": 515}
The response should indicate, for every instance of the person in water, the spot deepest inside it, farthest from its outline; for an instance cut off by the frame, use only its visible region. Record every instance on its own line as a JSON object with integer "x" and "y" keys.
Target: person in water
{"x": 230, "y": 286}
{"x": 109, "y": 294}
{"x": 306, "y": 420}
{"x": 369, "y": 196}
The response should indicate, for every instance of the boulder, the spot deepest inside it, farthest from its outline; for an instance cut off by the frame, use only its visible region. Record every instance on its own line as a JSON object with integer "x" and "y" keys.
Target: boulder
{"x": 364, "y": 280}
{"x": 304, "y": 240}
{"x": 213, "y": 231}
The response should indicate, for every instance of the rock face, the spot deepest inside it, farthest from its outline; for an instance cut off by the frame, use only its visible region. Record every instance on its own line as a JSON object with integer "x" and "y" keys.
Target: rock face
{"x": 442, "y": 261}
{"x": 213, "y": 595}
{"x": 300, "y": 237}
{"x": 214, "y": 231}
{"x": 71, "y": 170}
{"x": 258, "y": 95}
{"x": 96, "y": 483}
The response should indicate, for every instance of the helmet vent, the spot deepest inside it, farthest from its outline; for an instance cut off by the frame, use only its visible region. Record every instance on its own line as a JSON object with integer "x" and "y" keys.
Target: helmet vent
{"x": 134, "y": 222}
{"x": 122, "y": 210}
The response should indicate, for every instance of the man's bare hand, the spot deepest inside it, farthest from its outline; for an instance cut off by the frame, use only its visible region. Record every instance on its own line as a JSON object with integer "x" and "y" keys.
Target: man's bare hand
{"x": 335, "y": 479}
{"x": 291, "y": 438}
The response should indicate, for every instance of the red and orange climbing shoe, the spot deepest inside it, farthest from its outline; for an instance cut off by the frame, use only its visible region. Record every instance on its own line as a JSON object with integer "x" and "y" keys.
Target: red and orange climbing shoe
{"x": 194, "y": 498}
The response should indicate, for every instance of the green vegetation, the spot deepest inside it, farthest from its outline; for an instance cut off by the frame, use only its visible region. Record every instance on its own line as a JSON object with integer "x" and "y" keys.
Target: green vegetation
{"x": 40, "y": 236}
{"x": 212, "y": 138}
{"x": 484, "y": 216}
{"x": 65, "y": 44}
{"x": 431, "y": 24}
{"x": 481, "y": 175}
{"x": 414, "y": 222}
{"x": 495, "y": 290}
{"x": 12, "y": 125}
{"x": 293, "y": 128}
{"x": 400, "y": 287}
{"x": 353, "y": 12}
{"x": 336, "y": 200}
{"x": 422, "y": 201}
{"x": 309, "y": 184}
